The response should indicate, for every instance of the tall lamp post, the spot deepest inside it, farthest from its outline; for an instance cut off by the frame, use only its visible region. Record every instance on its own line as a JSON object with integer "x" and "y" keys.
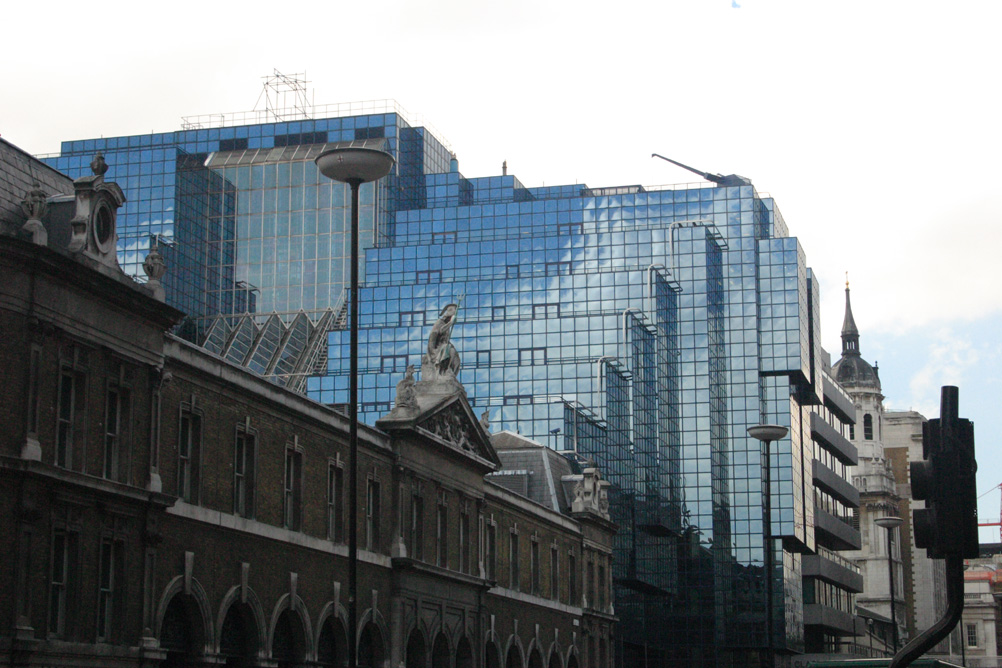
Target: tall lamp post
{"x": 891, "y": 523}
{"x": 767, "y": 433}
{"x": 354, "y": 166}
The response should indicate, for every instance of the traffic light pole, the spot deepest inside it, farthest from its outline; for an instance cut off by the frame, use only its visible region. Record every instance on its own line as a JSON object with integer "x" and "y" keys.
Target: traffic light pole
{"x": 947, "y": 527}
{"x": 941, "y": 629}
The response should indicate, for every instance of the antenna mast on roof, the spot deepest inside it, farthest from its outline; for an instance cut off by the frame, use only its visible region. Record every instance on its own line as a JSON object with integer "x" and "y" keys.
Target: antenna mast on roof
{"x": 284, "y": 97}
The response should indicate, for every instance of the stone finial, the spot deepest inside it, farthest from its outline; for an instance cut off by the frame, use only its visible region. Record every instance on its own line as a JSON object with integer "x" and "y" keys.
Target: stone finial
{"x": 98, "y": 165}
{"x": 155, "y": 268}
{"x": 406, "y": 395}
{"x": 34, "y": 205}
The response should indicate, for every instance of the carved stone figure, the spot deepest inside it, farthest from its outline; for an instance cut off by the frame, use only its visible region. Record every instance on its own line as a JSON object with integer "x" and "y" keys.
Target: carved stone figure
{"x": 406, "y": 395}
{"x": 591, "y": 494}
{"x": 34, "y": 206}
{"x": 34, "y": 203}
{"x": 485, "y": 420}
{"x": 441, "y": 362}
{"x": 155, "y": 268}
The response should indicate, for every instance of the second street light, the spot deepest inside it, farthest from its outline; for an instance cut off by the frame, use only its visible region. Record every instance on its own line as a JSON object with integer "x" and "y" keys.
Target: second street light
{"x": 353, "y": 165}
{"x": 768, "y": 433}
{"x": 891, "y": 523}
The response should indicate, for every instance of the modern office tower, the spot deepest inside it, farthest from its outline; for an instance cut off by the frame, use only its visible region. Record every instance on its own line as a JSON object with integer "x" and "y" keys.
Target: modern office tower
{"x": 645, "y": 329}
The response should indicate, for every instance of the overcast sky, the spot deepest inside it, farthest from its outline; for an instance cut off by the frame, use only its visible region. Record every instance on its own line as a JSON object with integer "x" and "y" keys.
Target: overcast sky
{"x": 874, "y": 125}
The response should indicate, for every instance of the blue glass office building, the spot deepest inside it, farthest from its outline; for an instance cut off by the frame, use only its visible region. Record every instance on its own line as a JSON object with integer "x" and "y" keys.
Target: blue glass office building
{"x": 644, "y": 329}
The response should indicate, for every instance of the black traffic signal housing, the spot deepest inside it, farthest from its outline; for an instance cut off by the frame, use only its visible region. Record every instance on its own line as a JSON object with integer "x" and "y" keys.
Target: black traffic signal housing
{"x": 948, "y": 526}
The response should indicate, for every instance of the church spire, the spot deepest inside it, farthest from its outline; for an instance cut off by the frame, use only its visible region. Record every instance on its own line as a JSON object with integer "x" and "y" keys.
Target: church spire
{"x": 850, "y": 335}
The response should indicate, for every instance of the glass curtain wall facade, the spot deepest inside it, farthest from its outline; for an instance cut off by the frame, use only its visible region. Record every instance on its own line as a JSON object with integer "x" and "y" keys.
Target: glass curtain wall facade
{"x": 645, "y": 329}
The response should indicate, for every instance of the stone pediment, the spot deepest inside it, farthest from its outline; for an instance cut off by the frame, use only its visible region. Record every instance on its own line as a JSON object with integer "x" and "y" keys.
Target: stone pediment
{"x": 435, "y": 408}
{"x": 446, "y": 420}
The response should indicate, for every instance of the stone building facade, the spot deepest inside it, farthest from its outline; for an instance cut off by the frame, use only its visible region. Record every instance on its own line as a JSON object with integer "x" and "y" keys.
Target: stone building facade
{"x": 162, "y": 506}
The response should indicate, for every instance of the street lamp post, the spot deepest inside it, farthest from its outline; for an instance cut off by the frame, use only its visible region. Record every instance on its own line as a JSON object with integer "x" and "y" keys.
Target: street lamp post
{"x": 767, "y": 433}
{"x": 354, "y": 166}
{"x": 891, "y": 523}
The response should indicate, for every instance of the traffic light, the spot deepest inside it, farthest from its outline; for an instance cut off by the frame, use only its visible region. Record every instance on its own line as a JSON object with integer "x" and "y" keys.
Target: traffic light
{"x": 945, "y": 480}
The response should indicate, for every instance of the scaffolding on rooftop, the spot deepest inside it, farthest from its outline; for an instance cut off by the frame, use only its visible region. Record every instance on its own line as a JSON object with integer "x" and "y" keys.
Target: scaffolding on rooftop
{"x": 284, "y": 98}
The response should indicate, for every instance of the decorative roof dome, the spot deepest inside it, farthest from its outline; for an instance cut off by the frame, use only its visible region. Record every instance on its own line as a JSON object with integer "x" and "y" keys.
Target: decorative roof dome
{"x": 852, "y": 371}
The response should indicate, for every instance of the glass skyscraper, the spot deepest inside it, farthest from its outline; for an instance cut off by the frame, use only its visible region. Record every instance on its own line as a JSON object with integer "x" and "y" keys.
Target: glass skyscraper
{"x": 645, "y": 329}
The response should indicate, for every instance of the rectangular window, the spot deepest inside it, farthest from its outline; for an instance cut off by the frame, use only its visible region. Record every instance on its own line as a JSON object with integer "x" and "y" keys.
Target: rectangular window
{"x": 442, "y": 533}
{"x": 411, "y": 318}
{"x": 558, "y": 268}
{"x": 61, "y": 570}
{"x": 972, "y": 635}
{"x": 293, "y": 498}
{"x": 243, "y": 474}
{"x": 511, "y": 271}
{"x": 532, "y": 356}
{"x": 590, "y": 583}
{"x": 497, "y": 313}
{"x": 417, "y": 525}
{"x": 189, "y": 456}
{"x": 601, "y": 587}
{"x": 393, "y": 363}
{"x": 518, "y": 400}
{"x": 554, "y": 573}
{"x": 443, "y": 237}
{"x": 540, "y": 311}
{"x": 483, "y": 358}
{"x": 372, "y": 516}
{"x": 513, "y": 572}
{"x": 572, "y": 580}
{"x": 36, "y": 361}
{"x": 112, "y": 425}
{"x": 569, "y": 228}
{"x": 71, "y": 399}
{"x": 534, "y": 564}
{"x": 430, "y": 276}
{"x": 464, "y": 541}
{"x": 335, "y": 531}
{"x": 491, "y": 550}
{"x": 109, "y": 586}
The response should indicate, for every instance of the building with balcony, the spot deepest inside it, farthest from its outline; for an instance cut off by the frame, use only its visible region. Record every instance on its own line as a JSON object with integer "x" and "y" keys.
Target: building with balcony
{"x": 640, "y": 328}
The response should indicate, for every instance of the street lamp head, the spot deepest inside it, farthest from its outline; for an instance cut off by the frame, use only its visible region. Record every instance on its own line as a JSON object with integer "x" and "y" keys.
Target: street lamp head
{"x": 354, "y": 164}
{"x": 768, "y": 432}
{"x": 889, "y": 522}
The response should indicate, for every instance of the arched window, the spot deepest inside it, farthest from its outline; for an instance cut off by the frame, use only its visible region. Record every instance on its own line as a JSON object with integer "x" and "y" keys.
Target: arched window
{"x": 868, "y": 427}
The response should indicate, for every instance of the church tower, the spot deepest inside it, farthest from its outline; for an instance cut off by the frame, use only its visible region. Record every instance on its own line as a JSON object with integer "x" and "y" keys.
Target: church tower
{"x": 874, "y": 479}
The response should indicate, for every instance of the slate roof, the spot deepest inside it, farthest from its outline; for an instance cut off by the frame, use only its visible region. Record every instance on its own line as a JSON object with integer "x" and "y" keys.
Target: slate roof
{"x": 532, "y": 470}
{"x": 18, "y": 171}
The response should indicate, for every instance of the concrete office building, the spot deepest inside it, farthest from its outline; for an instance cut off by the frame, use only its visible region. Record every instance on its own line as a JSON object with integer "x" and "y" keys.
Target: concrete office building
{"x": 643, "y": 328}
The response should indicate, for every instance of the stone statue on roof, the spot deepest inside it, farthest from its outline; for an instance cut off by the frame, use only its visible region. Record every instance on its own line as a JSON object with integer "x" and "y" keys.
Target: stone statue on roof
{"x": 406, "y": 395}
{"x": 441, "y": 362}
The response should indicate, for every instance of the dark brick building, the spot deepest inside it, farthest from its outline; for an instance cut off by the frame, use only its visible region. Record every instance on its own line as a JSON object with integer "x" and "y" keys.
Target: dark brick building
{"x": 161, "y": 506}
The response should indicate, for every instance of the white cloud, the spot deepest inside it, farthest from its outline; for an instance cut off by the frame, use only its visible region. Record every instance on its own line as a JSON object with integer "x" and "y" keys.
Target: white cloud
{"x": 949, "y": 360}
